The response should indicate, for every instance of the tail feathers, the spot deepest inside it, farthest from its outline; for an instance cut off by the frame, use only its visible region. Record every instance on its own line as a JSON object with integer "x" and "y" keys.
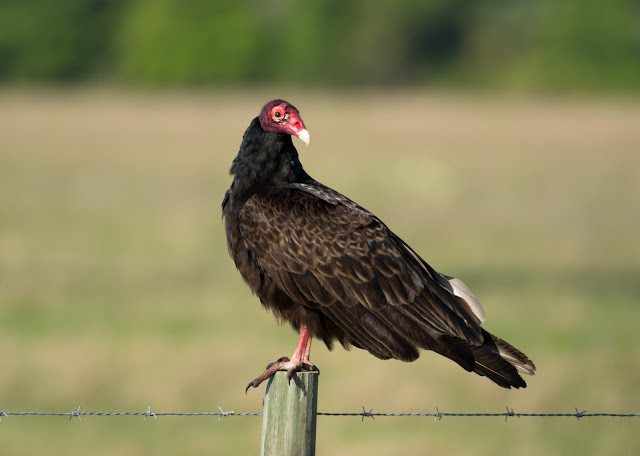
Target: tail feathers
{"x": 508, "y": 352}
{"x": 501, "y": 362}
{"x": 496, "y": 359}
{"x": 496, "y": 369}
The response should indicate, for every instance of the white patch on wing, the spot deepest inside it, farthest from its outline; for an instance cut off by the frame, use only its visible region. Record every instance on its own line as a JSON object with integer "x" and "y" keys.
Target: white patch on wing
{"x": 458, "y": 288}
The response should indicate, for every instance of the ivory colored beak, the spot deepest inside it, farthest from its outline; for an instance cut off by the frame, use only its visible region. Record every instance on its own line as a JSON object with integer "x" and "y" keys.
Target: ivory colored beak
{"x": 304, "y": 136}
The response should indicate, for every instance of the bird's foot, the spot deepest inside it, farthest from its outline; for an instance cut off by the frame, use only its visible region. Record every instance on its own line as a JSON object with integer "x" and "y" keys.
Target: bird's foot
{"x": 283, "y": 364}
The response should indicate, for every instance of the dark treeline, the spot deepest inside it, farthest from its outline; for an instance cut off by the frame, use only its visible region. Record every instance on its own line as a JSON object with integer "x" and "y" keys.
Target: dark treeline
{"x": 545, "y": 44}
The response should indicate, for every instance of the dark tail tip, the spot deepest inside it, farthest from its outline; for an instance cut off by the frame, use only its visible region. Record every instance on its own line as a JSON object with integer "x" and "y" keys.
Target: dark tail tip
{"x": 501, "y": 362}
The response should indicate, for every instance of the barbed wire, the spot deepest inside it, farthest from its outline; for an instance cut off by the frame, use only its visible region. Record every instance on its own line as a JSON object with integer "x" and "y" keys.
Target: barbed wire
{"x": 437, "y": 415}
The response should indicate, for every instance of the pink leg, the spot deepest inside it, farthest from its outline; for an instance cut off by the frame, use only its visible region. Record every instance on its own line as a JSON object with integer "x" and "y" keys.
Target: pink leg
{"x": 307, "y": 350}
{"x": 299, "y": 361}
{"x": 304, "y": 345}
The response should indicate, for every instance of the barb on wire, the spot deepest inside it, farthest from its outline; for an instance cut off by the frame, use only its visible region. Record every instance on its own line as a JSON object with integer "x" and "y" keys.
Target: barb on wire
{"x": 366, "y": 414}
{"x": 223, "y": 413}
{"x": 508, "y": 414}
{"x": 150, "y": 413}
{"x": 75, "y": 413}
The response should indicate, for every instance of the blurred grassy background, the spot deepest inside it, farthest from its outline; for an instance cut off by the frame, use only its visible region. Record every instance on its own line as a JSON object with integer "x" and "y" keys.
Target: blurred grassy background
{"x": 116, "y": 289}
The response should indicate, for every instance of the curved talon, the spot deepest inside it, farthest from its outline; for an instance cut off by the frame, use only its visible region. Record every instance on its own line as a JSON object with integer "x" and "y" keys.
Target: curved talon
{"x": 308, "y": 367}
{"x": 252, "y": 383}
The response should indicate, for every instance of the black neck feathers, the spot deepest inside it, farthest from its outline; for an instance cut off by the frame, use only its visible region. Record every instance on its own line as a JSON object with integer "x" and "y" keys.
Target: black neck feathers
{"x": 265, "y": 160}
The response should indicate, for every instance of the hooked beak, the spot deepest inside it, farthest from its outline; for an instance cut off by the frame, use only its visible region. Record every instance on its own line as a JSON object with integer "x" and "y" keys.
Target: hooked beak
{"x": 304, "y": 136}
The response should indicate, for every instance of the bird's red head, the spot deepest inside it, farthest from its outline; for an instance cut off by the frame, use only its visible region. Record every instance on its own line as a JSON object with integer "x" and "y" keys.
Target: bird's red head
{"x": 278, "y": 116}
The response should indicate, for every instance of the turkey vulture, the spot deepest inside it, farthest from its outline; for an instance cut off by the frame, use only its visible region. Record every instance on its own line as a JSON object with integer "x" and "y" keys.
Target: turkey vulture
{"x": 336, "y": 272}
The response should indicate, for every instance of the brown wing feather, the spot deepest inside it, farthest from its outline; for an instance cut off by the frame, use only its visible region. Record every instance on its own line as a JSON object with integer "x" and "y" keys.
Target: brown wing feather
{"x": 335, "y": 258}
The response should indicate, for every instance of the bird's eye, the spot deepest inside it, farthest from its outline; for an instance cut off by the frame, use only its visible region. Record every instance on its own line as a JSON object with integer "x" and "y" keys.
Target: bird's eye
{"x": 278, "y": 114}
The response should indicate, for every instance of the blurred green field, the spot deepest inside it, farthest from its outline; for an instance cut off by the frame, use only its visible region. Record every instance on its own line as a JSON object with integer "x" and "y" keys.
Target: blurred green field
{"x": 117, "y": 292}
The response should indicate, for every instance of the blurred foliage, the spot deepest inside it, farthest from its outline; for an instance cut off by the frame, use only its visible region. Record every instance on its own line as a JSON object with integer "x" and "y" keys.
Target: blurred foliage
{"x": 57, "y": 41}
{"x": 548, "y": 44}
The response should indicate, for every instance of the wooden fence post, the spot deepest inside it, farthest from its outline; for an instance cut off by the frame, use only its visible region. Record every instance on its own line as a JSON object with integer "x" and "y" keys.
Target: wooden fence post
{"x": 289, "y": 416}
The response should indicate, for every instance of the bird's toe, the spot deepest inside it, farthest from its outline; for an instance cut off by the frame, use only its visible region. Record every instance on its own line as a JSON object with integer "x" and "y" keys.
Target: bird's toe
{"x": 284, "y": 359}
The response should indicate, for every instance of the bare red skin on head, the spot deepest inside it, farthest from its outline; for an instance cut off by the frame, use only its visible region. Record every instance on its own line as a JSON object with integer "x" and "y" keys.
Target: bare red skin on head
{"x": 279, "y": 116}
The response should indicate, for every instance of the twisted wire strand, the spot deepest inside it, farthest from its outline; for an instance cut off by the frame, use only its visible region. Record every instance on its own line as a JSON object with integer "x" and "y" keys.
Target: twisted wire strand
{"x": 437, "y": 415}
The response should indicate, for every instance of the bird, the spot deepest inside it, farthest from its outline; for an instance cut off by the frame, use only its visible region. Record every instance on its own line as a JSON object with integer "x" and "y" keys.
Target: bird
{"x": 337, "y": 273}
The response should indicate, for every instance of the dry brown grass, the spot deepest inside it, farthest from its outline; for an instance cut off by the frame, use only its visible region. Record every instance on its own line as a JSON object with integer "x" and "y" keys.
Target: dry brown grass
{"x": 117, "y": 292}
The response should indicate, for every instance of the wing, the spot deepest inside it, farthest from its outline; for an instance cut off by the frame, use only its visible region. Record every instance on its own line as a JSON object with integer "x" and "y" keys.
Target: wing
{"x": 330, "y": 255}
